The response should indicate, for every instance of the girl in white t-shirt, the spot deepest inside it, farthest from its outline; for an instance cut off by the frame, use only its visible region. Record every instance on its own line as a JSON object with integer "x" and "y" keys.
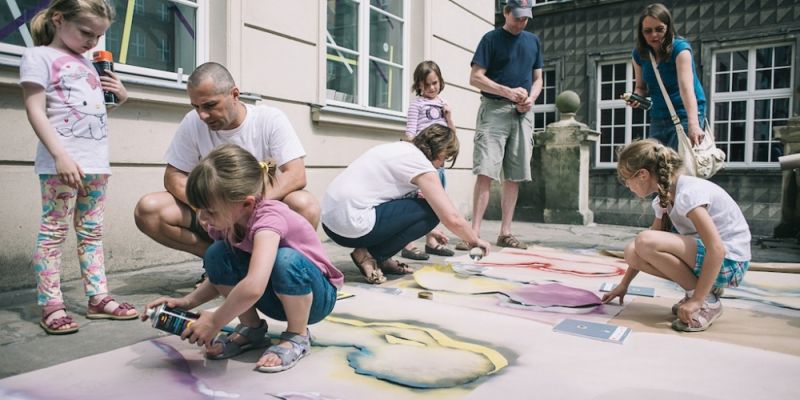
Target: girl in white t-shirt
{"x": 711, "y": 249}
{"x": 428, "y": 109}
{"x": 64, "y": 101}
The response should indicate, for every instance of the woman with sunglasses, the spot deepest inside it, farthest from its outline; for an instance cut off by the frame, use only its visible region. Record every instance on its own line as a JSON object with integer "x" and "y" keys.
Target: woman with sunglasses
{"x": 675, "y": 63}
{"x": 373, "y": 207}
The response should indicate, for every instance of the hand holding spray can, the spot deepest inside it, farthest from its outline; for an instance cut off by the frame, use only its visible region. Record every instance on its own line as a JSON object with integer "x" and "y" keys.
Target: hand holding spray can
{"x": 103, "y": 61}
{"x": 171, "y": 320}
{"x": 644, "y": 102}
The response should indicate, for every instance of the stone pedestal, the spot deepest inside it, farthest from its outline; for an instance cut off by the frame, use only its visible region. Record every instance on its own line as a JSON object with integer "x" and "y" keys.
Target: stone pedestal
{"x": 790, "y": 188}
{"x": 566, "y": 147}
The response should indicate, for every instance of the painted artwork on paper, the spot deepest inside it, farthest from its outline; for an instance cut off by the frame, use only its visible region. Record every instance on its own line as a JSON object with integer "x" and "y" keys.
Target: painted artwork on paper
{"x": 772, "y": 288}
{"x": 556, "y": 261}
{"x": 543, "y": 296}
{"x": 547, "y": 302}
{"x": 380, "y": 345}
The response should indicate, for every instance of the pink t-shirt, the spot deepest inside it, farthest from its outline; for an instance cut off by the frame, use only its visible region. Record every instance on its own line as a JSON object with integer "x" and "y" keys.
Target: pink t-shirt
{"x": 295, "y": 232}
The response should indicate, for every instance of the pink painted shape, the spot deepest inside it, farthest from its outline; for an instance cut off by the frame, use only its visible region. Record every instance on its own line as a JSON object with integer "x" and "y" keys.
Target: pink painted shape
{"x": 552, "y": 295}
{"x": 554, "y": 261}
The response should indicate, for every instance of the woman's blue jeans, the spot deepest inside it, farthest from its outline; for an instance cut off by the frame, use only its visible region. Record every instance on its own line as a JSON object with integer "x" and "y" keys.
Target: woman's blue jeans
{"x": 664, "y": 131}
{"x": 293, "y": 274}
{"x": 397, "y": 223}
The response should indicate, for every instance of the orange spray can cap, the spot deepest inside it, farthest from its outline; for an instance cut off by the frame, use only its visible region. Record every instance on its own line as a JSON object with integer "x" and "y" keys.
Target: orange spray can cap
{"x": 102, "y": 55}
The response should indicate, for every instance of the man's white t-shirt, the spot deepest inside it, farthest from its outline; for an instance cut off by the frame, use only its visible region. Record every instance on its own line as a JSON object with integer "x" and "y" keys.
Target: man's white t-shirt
{"x": 265, "y": 132}
{"x": 74, "y": 105}
{"x": 382, "y": 174}
{"x": 690, "y": 193}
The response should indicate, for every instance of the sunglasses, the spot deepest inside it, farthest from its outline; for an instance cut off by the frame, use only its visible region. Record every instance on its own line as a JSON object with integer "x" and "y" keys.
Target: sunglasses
{"x": 659, "y": 30}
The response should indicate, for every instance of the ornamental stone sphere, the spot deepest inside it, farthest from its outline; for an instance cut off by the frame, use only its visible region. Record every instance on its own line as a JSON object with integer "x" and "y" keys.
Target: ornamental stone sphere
{"x": 568, "y": 102}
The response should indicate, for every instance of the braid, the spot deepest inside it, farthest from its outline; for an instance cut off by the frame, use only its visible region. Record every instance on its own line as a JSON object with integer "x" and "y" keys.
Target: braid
{"x": 662, "y": 172}
{"x": 662, "y": 162}
{"x": 668, "y": 163}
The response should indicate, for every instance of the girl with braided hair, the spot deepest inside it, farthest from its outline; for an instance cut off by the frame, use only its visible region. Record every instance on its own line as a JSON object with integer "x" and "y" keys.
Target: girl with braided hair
{"x": 699, "y": 238}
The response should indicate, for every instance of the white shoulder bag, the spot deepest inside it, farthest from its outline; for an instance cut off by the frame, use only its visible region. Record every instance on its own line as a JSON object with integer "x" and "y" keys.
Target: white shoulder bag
{"x": 703, "y": 160}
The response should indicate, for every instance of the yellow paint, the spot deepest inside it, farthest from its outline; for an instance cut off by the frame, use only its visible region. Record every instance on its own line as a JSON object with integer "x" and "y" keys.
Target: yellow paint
{"x": 126, "y": 32}
{"x": 341, "y": 59}
{"x": 494, "y": 357}
{"x": 392, "y": 339}
{"x": 442, "y": 277}
{"x": 340, "y": 295}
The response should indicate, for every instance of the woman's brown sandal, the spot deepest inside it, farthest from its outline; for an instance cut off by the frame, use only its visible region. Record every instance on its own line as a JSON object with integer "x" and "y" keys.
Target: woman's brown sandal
{"x": 510, "y": 241}
{"x": 369, "y": 269}
{"x": 414, "y": 254}
{"x": 394, "y": 267}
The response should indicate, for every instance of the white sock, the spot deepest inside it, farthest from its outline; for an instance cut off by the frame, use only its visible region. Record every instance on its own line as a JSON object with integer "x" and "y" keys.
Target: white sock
{"x": 711, "y": 298}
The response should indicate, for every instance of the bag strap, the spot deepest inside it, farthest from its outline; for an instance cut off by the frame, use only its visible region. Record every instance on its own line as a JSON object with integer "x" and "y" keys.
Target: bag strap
{"x": 672, "y": 113}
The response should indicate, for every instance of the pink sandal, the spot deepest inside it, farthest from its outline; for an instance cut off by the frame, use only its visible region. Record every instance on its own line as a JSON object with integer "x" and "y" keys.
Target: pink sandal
{"x": 54, "y": 326}
{"x": 97, "y": 311}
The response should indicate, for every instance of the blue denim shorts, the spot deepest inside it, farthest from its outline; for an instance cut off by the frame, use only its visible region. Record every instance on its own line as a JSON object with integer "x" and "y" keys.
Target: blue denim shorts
{"x": 293, "y": 274}
{"x": 731, "y": 273}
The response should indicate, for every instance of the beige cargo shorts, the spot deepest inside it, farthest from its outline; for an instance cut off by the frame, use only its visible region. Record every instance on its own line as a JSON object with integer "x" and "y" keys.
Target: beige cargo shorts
{"x": 503, "y": 143}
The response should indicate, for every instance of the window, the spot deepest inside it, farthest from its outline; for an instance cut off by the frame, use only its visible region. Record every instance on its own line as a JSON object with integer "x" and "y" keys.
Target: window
{"x": 365, "y": 57}
{"x": 751, "y": 94}
{"x": 544, "y": 111}
{"x": 540, "y": 2}
{"x": 162, "y": 36}
{"x": 618, "y": 124}
{"x": 155, "y": 38}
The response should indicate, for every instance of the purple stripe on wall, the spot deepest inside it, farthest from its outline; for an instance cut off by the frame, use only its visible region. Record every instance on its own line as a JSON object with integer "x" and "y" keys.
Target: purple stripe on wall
{"x": 10, "y": 27}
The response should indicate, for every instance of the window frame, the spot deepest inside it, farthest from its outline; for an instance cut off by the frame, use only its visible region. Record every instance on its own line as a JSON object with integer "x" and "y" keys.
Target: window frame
{"x": 616, "y": 103}
{"x": 125, "y": 70}
{"x": 364, "y": 60}
{"x": 545, "y": 108}
{"x": 750, "y": 95}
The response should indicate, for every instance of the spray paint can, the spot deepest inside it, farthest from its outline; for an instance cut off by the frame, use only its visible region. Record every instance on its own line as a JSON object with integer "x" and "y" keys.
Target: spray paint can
{"x": 171, "y": 320}
{"x": 476, "y": 253}
{"x": 644, "y": 102}
{"x": 103, "y": 61}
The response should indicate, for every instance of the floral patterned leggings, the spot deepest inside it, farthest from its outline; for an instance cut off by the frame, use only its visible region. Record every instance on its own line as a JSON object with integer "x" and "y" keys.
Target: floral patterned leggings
{"x": 85, "y": 208}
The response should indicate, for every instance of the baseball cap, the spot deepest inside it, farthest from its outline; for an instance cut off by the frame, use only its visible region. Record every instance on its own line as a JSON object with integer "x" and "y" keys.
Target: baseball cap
{"x": 520, "y": 8}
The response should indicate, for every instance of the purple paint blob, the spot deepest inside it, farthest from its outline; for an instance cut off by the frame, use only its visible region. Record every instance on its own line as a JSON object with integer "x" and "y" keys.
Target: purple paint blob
{"x": 553, "y": 295}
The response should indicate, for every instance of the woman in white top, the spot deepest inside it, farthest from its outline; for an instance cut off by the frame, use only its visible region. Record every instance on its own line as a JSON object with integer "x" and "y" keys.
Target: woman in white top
{"x": 372, "y": 205}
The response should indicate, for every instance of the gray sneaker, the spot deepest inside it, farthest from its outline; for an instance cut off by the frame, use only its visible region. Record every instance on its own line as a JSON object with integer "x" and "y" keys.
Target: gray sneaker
{"x": 717, "y": 291}
{"x": 702, "y": 319}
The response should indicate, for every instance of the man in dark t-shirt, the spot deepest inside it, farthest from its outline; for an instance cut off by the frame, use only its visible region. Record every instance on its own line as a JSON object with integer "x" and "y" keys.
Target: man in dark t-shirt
{"x": 507, "y": 68}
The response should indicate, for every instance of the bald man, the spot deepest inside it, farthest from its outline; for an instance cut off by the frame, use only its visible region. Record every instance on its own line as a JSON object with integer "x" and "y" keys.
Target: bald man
{"x": 220, "y": 117}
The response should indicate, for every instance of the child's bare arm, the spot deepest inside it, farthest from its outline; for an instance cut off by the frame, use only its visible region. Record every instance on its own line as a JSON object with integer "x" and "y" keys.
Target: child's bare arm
{"x": 448, "y": 116}
{"x": 245, "y": 294}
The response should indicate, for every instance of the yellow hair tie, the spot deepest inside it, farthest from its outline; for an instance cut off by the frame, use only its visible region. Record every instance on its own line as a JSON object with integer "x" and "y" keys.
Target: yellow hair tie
{"x": 266, "y": 165}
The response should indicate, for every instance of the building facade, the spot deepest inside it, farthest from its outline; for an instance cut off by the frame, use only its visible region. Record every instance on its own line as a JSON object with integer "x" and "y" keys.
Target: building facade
{"x": 340, "y": 69}
{"x": 746, "y": 53}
